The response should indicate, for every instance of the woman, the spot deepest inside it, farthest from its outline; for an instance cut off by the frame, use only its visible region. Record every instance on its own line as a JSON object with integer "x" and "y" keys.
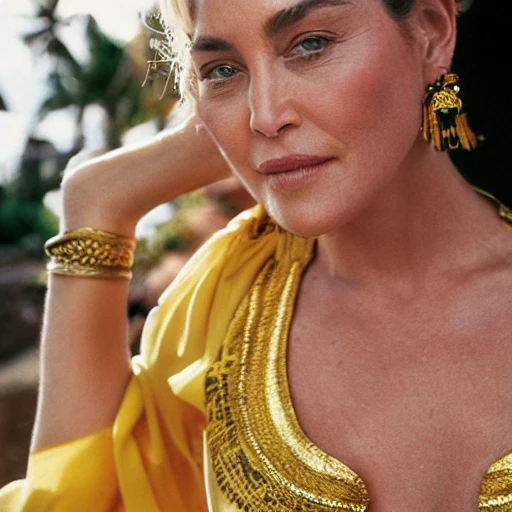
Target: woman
{"x": 346, "y": 351}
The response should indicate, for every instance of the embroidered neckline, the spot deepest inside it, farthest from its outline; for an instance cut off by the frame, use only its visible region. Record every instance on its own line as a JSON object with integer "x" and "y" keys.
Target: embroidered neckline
{"x": 260, "y": 454}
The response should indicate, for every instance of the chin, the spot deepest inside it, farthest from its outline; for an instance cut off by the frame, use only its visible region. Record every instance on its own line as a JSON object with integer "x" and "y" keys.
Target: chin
{"x": 305, "y": 222}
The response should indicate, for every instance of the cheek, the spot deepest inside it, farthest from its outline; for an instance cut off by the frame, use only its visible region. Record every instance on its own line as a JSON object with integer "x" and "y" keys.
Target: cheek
{"x": 228, "y": 124}
{"x": 371, "y": 111}
{"x": 227, "y": 120}
{"x": 373, "y": 102}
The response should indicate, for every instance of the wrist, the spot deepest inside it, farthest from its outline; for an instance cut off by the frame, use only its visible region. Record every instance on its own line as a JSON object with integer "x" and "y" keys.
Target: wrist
{"x": 87, "y": 206}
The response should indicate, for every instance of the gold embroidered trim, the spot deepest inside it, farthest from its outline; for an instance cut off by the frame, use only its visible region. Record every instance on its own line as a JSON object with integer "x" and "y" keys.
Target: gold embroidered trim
{"x": 261, "y": 459}
{"x": 496, "y": 490}
{"x": 503, "y": 210}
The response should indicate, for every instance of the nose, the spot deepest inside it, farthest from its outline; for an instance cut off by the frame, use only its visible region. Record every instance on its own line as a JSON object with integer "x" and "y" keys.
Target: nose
{"x": 272, "y": 106}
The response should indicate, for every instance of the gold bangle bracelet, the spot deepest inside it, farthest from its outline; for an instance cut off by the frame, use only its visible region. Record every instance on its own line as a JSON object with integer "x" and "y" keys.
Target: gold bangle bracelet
{"x": 88, "y": 252}
{"x": 81, "y": 271}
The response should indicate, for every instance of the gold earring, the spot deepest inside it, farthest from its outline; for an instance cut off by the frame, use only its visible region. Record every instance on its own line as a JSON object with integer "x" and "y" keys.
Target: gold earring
{"x": 445, "y": 125}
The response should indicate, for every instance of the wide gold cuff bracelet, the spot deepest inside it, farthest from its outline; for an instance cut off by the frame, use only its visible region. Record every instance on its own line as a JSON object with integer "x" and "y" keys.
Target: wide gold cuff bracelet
{"x": 88, "y": 252}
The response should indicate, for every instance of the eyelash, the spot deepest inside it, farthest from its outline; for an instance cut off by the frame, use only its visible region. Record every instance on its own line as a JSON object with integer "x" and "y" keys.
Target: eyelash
{"x": 306, "y": 56}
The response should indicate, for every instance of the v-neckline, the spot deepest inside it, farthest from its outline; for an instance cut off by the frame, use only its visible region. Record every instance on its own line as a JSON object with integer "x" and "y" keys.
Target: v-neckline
{"x": 253, "y": 431}
{"x": 496, "y": 480}
{"x": 496, "y": 485}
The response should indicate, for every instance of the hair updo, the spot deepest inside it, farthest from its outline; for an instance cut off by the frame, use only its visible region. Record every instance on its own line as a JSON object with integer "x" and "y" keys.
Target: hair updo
{"x": 176, "y": 17}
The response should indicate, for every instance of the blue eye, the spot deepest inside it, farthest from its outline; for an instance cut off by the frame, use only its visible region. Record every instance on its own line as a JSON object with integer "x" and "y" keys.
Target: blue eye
{"x": 310, "y": 47}
{"x": 312, "y": 44}
{"x": 221, "y": 73}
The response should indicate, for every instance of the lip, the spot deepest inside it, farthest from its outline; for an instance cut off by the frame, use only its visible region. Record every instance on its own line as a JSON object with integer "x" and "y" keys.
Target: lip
{"x": 291, "y": 163}
{"x": 294, "y": 172}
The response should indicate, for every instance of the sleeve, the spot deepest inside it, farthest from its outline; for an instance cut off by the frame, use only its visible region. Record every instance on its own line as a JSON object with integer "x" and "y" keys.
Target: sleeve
{"x": 151, "y": 458}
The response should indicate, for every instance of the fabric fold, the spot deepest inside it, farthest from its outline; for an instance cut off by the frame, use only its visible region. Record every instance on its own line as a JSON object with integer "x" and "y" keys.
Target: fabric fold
{"x": 151, "y": 458}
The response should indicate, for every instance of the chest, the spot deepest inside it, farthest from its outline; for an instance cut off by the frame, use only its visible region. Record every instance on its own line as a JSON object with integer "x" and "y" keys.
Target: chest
{"x": 415, "y": 399}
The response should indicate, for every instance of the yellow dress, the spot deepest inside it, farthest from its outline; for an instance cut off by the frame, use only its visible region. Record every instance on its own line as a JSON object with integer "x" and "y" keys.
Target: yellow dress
{"x": 207, "y": 423}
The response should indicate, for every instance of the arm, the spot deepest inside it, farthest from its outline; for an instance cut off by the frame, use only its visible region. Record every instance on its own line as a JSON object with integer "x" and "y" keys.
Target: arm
{"x": 84, "y": 353}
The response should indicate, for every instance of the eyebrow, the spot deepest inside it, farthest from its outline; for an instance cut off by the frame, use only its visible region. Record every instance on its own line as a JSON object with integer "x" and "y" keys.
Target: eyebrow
{"x": 275, "y": 24}
{"x": 288, "y": 17}
{"x": 210, "y": 44}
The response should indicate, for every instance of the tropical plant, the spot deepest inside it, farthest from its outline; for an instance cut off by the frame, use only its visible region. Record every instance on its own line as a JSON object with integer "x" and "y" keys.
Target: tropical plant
{"x": 109, "y": 76}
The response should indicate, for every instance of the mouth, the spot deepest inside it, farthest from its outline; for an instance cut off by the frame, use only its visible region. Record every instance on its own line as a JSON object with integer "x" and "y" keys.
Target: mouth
{"x": 292, "y": 163}
{"x": 294, "y": 172}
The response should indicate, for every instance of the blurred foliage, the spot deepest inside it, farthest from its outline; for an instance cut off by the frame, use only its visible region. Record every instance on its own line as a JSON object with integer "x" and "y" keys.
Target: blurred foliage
{"x": 111, "y": 77}
{"x": 39, "y": 172}
{"x": 106, "y": 80}
{"x": 175, "y": 235}
{"x": 26, "y": 223}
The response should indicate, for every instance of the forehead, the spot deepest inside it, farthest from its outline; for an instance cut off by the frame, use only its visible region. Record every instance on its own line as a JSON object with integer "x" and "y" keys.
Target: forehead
{"x": 213, "y": 14}
{"x": 211, "y": 6}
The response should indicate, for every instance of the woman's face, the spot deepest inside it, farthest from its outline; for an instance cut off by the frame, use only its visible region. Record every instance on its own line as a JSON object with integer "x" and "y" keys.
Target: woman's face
{"x": 316, "y": 104}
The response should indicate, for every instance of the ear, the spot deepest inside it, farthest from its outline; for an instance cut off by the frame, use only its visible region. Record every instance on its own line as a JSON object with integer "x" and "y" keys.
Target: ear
{"x": 436, "y": 28}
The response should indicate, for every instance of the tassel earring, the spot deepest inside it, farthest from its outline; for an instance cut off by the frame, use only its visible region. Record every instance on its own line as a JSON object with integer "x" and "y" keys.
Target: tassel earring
{"x": 444, "y": 123}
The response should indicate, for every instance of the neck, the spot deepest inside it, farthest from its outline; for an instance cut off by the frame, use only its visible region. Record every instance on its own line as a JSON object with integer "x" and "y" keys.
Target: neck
{"x": 427, "y": 221}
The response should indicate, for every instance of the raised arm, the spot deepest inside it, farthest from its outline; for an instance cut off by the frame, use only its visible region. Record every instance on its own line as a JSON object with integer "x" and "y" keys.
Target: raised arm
{"x": 84, "y": 352}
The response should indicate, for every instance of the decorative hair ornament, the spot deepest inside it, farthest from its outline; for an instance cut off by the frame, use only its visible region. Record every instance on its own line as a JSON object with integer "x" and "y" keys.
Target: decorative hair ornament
{"x": 163, "y": 65}
{"x": 88, "y": 252}
{"x": 445, "y": 125}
